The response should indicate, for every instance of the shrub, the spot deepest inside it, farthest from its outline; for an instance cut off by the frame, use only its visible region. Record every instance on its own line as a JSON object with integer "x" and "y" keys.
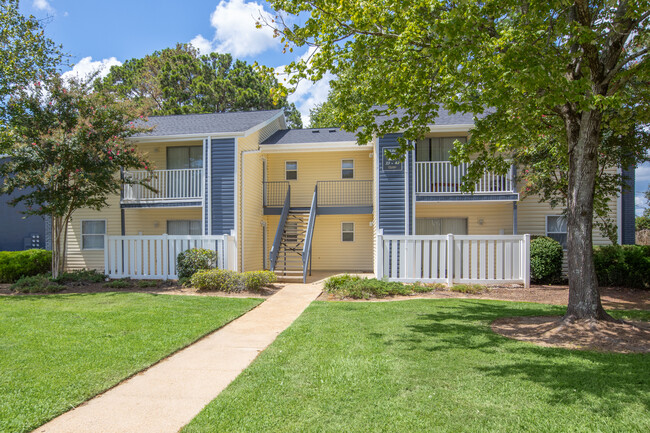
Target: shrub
{"x": 627, "y": 265}
{"x": 17, "y": 264}
{"x": 196, "y": 259}
{"x": 468, "y": 288}
{"x": 545, "y": 260}
{"x": 339, "y": 281}
{"x": 36, "y": 284}
{"x": 221, "y": 280}
{"x": 118, "y": 284}
{"x": 81, "y": 277}
{"x": 364, "y": 288}
{"x": 230, "y": 281}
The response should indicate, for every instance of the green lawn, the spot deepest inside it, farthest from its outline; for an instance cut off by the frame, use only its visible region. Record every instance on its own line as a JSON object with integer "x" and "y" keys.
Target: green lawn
{"x": 57, "y": 351}
{"x": 428, "y": 365}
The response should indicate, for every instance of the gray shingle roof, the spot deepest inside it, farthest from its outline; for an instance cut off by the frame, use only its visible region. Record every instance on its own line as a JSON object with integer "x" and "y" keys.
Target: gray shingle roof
{"x": 310, "y": 136}
{"x": 444, "y": 117}
{"x": 209, "y": 123}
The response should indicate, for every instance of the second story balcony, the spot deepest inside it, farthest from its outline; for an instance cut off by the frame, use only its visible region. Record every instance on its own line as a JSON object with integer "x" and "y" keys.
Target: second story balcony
{"x": 334, "y": 197}
{"x": 168, "y": 187}
{"x": 442, "y": 179}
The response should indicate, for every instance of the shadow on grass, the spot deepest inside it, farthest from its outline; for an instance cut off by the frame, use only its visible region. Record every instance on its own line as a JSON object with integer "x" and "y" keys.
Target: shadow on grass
{"x": 606, "y": 381}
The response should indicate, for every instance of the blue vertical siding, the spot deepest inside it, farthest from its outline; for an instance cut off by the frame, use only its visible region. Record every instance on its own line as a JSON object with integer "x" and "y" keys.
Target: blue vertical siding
{"x": 392, "y": 214}
{"x": 222, "y": 154}
{"x": 627, "y": 204}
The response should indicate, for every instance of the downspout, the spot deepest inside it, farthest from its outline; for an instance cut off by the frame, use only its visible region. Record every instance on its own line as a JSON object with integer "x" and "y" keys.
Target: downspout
{"x": 514, "y": 217}
{"x": 241, "y": 202}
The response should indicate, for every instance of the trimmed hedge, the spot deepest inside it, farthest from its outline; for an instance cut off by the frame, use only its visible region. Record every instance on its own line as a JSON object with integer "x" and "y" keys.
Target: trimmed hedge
{"x": 623, "y": 266}
{"x": 223, "y": 280}
{"x": 193, "y": 260}
{"x": 352, "y": 286}
{"x": 36, "y": 284}
{"x": 17, "y": 264}
{"x": 545, "y": 260}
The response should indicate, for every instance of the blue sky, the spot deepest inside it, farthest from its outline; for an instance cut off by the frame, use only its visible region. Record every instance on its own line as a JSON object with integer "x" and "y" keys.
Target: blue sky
{"x": 104, "y": 33}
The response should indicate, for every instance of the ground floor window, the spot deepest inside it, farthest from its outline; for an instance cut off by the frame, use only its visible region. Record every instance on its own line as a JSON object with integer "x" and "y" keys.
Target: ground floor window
{"x": 92, "y": 234}
{"x": 556, "y": 228}
{"x": 184, "y": 227}
{"x": 347, "y": 232}
{"x": 440, "y": 226}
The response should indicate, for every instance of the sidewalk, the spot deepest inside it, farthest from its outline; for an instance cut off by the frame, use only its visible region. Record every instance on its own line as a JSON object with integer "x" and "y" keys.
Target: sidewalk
{"x": 168, "y": 395}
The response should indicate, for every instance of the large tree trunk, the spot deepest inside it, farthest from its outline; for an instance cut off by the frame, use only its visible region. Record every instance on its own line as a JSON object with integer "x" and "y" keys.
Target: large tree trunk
{"x": 583, "y": 139}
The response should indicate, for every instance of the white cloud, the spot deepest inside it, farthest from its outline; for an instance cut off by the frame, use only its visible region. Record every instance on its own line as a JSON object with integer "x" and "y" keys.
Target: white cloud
{"x": 43, "y": 5}
{"x": 234, "y": 22}
{"x": 307, "y": 94}
{"x": 87, "y": 66}
{"x": 643, "y": 172}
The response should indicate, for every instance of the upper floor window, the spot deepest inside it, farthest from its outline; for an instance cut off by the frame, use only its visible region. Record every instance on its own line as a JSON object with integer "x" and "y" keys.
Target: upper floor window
{"x": 291, "y": 170}
{"x": 92, "y": 234}
{"x": 179, "y": 157}
{"x": 435, "y": 148}
{"x": 347, "y": 169}
{"x": 556, "y": 228}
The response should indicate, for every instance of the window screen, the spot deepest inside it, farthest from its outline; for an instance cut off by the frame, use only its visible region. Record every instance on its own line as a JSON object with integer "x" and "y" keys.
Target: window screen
{"x": 347, "y": 232}
{"x": 92, "y": 234}
{"x": 556, "y": 228}
{"x": 184, "y": 227}
{"x": 347, "y": 169}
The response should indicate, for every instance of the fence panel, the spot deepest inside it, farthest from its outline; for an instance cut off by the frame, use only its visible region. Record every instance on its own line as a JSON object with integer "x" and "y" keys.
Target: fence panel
{"x": 454, "y": 259}
{"x": 154, "y": 257}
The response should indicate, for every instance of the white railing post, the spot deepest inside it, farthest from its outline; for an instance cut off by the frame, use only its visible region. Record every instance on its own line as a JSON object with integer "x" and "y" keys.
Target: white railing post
{"x": 450, "y": 260}
{"x": 525, "y": 259}
{"x": 106, "y": 252}
{"x": 379, "y": 262}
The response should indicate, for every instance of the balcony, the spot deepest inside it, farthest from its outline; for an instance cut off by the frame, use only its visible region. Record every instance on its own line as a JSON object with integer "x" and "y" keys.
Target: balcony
{"x": 168, "y": 187}
{"x": 334, "y": 197}
{"x": 441, "y": 179}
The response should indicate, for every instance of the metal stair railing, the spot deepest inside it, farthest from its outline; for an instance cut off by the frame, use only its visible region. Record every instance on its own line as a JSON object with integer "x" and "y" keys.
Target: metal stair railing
{"x": 275, "y": 249}
{"x": 306, "y": 252}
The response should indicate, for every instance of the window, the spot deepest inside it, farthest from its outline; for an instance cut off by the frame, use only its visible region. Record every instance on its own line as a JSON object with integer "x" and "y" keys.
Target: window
{"x": 347, "y": 232}
{"x": 92, "y": 234}
{"x": 184, "y": 227}
{"x": 556, "y": 228}
{"x": 291, "y": 170}
{"x": 435, "y": 148}
{"x": 179, "y": 157}
{"x": 347, "y": 169}
{"x": 440, "y": 226}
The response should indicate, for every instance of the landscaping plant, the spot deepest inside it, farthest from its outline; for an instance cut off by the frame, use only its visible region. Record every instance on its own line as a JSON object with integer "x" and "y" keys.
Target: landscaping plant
{"x": 227, "y": 281}
{"x": 545, "y": 260}
{"x": 193, "y": 260}
{"x": 17, "y": 264}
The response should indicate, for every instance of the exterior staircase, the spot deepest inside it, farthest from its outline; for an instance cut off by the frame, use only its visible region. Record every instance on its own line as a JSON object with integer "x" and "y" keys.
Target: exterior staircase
{"x": 289, "y": 264}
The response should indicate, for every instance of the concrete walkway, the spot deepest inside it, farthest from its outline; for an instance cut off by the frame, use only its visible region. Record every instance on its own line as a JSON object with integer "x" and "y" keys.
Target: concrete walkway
{"x": 168, "y": 395}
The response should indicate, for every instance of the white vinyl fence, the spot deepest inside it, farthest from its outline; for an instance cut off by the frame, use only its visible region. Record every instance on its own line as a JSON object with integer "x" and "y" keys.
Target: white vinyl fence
{"x": 154, "y": 257}
{"x": 454, "y": 259}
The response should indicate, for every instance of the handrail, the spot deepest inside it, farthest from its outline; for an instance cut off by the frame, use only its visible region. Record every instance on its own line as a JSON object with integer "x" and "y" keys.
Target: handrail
{"x": 306, "y": 251}
{"x": 273, "y": 192}
{"x": 275, "y": 249}
{"x": 162, "y": 185}
{"x": 442, "y": 177}
{"x": 346, "y": 193}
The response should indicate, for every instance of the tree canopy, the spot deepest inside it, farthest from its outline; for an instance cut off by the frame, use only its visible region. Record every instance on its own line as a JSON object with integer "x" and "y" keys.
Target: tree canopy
{"x": 180, "y": 81}
{"x": 540, "y": 76}
{"x": 324, "y": 115}
{"x": 68, "y": 145}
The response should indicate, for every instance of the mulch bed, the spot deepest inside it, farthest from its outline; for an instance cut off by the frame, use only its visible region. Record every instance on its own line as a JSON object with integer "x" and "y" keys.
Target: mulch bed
{"x": 618, "y": 337}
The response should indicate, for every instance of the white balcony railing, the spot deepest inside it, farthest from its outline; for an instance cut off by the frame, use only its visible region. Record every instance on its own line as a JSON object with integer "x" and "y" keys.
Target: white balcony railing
{"x": 169, "y": 186}
{"x": 441, "y": 177}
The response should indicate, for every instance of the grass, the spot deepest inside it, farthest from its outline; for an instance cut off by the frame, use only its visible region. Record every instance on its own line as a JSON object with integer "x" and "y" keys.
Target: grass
{"x": 428, "y": 365}
{"x": 57, "y": 351}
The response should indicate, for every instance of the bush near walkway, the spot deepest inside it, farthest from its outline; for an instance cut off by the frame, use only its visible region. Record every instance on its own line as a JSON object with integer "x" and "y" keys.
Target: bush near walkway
{"x": 27, "y": 263}
{"x": 623, "y": 265}
{"x": 223, "y": 280}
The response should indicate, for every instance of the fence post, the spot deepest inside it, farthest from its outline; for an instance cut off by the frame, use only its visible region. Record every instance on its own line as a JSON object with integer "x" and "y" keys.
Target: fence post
{"x": 106, "y": 241}
{"x": 379, "y": 259}
{"x": 164, "y": 242}
{"x": 526, "y": 260}
{"x": 450, "y": 260}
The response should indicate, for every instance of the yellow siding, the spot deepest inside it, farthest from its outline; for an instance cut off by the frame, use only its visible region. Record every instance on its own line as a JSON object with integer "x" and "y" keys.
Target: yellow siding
{"x": 329, "y": 253}
{"x": 532, "y": 218}
{"x": 153, "y": 221}
{"x": 91, "y": 259}
{"x": 315, "y": 166}
{"x": 482, "y": 218}
{"x": 249, "y": 198}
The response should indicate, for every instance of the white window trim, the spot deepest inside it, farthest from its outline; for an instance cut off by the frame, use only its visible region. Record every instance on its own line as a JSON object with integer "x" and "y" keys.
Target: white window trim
{"x": 81, "y": 226}
{"x": 353, "y": 169}
{"x": 354, "y": 237}
{"x": 285, "y": 169}
{"x": 558, "y": 233}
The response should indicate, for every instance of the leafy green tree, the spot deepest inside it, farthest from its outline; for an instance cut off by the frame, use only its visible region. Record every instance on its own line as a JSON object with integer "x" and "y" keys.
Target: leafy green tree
{"x": 180, "y": 81}
{"x": 643, "y": 222}
{"x": 67, "y": 147}
{"x": 24, "y": 51}
{"x": 567, "y": 69}
{"x": 324, "y": 115}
